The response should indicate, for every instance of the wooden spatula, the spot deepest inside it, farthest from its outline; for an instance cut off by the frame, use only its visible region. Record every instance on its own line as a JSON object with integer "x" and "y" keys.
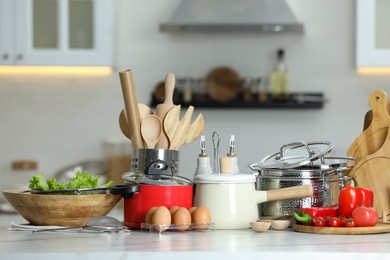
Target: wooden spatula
{"x": 176, "y": 129}
{"x": 194, "y": 130}
{"x": 163, "y": 108}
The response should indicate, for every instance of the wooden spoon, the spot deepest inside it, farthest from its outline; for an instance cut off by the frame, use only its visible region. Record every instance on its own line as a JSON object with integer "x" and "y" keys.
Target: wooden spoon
{"x": 144, "y": 110}
{"x": 151, "y": 129}
{"x": 163, "y": 108}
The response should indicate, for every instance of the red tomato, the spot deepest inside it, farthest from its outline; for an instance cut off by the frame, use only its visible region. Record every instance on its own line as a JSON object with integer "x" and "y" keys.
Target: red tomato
{"x": 350, "y": 222}
{"x": 319, "y": 222}
{"x": 365, "y": 216}
{"x": 335, "y": 222}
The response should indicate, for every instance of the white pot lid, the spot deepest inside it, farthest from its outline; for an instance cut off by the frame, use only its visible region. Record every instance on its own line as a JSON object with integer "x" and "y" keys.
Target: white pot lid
{"x": 220, "y": 178}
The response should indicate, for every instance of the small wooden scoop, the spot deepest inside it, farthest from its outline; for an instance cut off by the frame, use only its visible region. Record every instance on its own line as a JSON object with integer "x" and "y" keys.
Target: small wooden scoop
{"x": 151, "y": 130}
{"x": 144, "y": 110}
{"x": 176, "y": 129}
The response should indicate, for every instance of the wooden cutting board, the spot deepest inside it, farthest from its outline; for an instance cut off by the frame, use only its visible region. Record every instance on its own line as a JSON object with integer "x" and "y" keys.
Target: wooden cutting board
{"x": 373, "y": 172}
{"x": 378, "y": 228}
{"x": 374, "y": 136}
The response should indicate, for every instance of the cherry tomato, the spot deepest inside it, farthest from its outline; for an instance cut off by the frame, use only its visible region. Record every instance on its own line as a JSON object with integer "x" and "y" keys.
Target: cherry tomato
{"x": 335, "y": 222}
{"x": 365, "y": 216}
{"x": 350, "y": 222}
{"x": 319, "y": 222}
{"x": 343, "y": 220}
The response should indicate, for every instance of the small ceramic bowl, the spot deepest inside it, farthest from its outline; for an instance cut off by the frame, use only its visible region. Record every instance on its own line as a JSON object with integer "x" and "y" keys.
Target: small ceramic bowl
{"x": 280, "y": 224}
{"x": 260, "y": 226}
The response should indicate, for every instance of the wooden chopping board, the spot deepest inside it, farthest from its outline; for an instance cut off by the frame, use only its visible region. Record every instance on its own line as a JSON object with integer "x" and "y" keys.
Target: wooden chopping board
{"x": 373, "y": 172}
{"x": 373, "y": 137}
{"x": 378, "y": 228}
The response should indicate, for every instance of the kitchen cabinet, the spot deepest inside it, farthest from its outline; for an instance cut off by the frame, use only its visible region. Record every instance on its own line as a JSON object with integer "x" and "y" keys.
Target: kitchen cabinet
{"x": 56, "y": 32}
{"x": 373, "y": 39}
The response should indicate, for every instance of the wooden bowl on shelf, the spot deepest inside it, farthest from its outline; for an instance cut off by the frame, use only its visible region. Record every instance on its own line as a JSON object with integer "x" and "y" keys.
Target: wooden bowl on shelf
{"x": 223, "y": 84}
{"x": 60, "y": 210}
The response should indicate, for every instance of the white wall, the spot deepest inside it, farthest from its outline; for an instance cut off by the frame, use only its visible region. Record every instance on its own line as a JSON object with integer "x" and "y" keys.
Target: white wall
{"x": 61, "y": 120}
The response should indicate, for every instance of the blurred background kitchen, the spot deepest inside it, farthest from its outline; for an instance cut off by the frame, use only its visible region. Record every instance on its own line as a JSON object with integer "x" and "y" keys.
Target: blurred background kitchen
{"x": 58, "y": 119}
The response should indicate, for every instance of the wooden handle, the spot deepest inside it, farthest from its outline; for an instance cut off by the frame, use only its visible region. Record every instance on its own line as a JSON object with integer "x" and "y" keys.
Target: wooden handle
{"x": 164, "y": 108}
{"x": 294, "y": 192}
{"x": 169, "y": 88}
{"x": 131, "y": 106}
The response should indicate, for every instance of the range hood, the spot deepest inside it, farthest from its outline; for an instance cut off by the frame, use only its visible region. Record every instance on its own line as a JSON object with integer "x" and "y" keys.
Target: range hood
{"x": 232, "y": 16}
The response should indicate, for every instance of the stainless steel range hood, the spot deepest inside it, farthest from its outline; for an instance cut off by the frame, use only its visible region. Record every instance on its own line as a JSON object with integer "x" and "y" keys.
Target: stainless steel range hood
{"x": 232, "y": 16}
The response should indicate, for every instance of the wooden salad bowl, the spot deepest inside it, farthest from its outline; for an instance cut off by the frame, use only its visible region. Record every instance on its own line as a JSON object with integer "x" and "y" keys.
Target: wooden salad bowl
{"x": 60, "y": 210}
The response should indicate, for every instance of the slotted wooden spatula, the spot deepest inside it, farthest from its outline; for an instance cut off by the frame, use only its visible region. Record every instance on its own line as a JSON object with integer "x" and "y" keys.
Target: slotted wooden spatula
{"x": 194, "y": 130}
{"x": 176, "y": 129}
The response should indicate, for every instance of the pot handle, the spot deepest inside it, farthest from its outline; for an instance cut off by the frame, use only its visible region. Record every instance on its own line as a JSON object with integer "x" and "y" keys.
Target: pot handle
{"x": 127, "y": 191}
{"x": 254, "y": 166}
{"x": 294, "y": 192}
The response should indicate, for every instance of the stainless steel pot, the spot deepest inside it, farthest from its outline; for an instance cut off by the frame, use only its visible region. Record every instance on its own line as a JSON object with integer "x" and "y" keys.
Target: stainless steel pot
{"x": 301, "y": 164}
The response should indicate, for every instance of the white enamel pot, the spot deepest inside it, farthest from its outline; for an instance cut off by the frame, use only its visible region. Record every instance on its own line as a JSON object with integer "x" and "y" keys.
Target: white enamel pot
{"x": 232, "y": 200}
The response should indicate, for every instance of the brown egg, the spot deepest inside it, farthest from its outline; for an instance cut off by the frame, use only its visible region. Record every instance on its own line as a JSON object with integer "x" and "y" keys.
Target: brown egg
{"x": 182, "y": 219}
{"x": 192, "y": 209}
{"x": 201, "y": 217}
{"x": 173, "y": 209}
{"x": 161, "y": 218}
{"x": 149, "y": 214}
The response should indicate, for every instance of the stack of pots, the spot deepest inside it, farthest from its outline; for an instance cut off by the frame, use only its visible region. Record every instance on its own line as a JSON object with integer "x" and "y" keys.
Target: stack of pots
{"x": 156, "y": 172}
{"x": 301, "y": 163}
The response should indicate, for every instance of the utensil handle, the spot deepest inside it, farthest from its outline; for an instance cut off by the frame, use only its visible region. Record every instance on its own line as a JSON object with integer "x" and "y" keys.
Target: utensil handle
{"x": 294, "y": 192}
{"x": 169, "y": 88}
{"x": 131, "y": 106}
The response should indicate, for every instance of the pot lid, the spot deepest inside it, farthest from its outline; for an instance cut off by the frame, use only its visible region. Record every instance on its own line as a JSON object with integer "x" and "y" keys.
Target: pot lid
{"x": 296, "y": 154}
{"x": 167, "y": 180}
{"x": 219, "y": 178}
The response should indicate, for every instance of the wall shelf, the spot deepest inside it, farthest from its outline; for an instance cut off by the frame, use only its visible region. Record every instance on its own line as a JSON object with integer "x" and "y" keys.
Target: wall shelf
{"x": 295, "y": 100}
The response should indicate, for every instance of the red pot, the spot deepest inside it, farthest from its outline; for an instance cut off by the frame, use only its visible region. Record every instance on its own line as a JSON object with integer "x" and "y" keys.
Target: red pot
{"x": 151, "y": 195}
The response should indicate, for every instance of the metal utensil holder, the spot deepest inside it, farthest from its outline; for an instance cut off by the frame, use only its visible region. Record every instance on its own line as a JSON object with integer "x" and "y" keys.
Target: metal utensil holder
{"x": 142, "y": 159}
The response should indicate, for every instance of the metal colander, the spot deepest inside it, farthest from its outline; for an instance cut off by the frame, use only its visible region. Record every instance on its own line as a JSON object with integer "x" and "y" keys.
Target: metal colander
{"x": 326, "y": 187}
{"x": 301, "y": 163}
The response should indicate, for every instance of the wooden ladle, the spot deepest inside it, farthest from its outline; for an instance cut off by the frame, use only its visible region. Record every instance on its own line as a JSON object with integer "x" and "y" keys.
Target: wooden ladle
{"x": 151, "y": 129}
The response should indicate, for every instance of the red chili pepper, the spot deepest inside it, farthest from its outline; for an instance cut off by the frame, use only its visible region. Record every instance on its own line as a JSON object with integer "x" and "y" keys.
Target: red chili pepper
{"x": 352, "y": 197}
{"x": 307, "y": 215}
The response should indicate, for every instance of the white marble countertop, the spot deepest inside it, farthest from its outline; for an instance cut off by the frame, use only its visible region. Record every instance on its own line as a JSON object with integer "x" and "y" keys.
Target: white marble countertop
{"x": 219, "y": 244}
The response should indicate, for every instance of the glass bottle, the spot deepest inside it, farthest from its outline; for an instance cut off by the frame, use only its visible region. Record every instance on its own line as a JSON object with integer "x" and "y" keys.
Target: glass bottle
{"x": 279, "y": 78}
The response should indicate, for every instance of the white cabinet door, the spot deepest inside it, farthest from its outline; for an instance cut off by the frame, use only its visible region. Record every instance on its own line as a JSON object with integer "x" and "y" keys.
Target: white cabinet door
{"x": 62, "y": 32}
{"x": 373, "y": 40}
{"x": 6, "y": 32}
